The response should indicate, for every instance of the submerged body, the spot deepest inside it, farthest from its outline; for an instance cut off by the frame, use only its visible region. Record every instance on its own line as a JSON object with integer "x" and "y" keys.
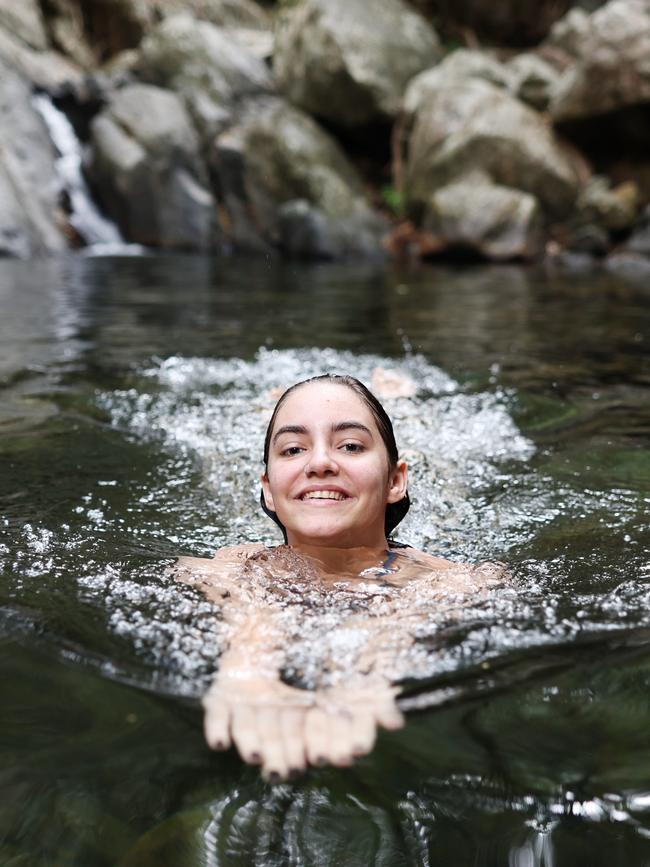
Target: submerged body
{"x": 335, "y": 486}
{"x": 360, "y": 628}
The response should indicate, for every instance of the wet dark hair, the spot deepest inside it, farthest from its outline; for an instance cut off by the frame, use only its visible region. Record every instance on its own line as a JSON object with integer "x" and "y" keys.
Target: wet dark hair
{"x": 394, "y": 511}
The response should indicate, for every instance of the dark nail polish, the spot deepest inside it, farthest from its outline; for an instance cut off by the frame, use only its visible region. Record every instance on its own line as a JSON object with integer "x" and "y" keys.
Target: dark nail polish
{"x": 218, "y": 745}
{"x": 274, "y": 777}
{"x": 294, "y": 774}
{"x": 320, "y": 761}
{"x": 255, "y": 758}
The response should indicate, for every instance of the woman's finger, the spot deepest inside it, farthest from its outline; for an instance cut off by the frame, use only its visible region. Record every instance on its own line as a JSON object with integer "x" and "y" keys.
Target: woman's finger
{"x": 292, "y": 723}
{"x": 340, "y": 733}
{"x": 317, "y": 736}
{"x": 389, "y": 715}
{"x": 244, "y": 733}
{"x": 364, "y": 732}
{"x": 216, "y": 723}
{"x": 274, "y": 763}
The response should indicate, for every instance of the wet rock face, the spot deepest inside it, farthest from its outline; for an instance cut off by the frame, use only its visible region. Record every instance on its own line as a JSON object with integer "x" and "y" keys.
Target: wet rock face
{"x": 205, "y": 66}
{"x": 145, "y": 164}
{"x": 349, "y": 61}
{"x": 286, "y": 185}
{"x": 610, "y": 53}
{"x": 29, "y": 208}
{"x": 494, "y": 221}
{"x": 470, "y": 125}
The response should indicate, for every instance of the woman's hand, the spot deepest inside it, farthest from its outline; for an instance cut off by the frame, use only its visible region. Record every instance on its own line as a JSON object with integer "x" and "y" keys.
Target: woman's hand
{"x": 284, "y": 729}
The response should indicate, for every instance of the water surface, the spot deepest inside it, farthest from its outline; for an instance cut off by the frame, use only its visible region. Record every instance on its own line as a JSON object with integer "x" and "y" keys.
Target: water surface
{"x": 135, "y": 393}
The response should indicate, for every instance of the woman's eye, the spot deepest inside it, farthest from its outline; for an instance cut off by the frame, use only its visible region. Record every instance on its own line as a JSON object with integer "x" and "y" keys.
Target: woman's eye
{"x": 290, "y": 451}
{"x": 352, "y": 448}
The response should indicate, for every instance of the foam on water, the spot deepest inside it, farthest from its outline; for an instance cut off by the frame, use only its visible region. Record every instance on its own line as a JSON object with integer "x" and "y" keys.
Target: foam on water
{"x": 474, "y": 498}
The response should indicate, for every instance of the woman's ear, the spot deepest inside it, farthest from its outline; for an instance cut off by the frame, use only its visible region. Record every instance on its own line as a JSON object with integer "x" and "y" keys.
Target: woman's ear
{"x": 266, "y": 490}
{"x": 397, "y": 482}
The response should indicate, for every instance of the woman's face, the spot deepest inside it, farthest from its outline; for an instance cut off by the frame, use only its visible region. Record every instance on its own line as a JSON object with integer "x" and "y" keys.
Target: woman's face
{"x": 329, "y": 478}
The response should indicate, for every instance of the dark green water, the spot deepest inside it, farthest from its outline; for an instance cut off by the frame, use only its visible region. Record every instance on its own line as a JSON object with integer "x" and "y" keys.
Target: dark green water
{"x": 127, "y": 436}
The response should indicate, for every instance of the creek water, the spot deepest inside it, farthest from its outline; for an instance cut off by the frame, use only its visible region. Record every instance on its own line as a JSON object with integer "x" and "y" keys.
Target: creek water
{"x": 135, "y": 392}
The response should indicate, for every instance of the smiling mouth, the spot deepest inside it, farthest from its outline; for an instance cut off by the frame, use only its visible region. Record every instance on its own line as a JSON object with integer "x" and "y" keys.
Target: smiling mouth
{"x": 323, "y": 495}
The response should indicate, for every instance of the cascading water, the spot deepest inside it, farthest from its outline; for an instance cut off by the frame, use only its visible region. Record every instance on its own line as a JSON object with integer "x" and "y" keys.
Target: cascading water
{"x": 100, "y": 234}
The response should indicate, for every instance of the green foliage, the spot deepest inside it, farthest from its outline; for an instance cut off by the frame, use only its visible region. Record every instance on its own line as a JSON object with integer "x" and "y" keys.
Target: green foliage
{"x": 393, "y": 199}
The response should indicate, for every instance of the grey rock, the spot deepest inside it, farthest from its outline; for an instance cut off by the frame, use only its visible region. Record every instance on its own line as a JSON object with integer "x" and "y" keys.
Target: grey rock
{"x": 474, "y": 125}
{"x": 639, "y": 240}
{"x": 205, "y": 66}
{"x": 533, "y": 79}
{"x": 146, "y": 165}
{"x": 24, "y": 20}
{"x": 48, "y": 70}
{"x": 246, "y": 22}
{"x": 588, "y": 238}
{"x": 461, "y": 65}
{"x": 495, "y": 221}
{"x": 29, "y": 207}
{"x": 349, "y": 62}
{"x": 286, "y": 185}
{"x": 611, "y": 68}
{"x": 629, "y": 265}
{"x": 614, "y": 210}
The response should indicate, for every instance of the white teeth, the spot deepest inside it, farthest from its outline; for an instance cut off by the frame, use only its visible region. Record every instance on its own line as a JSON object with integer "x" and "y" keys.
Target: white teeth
{"x": 323, "y": 495}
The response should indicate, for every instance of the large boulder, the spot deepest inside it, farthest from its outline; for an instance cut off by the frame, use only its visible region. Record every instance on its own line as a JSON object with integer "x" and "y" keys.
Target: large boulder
{"x": 494, "y": 221}
{"x": 25, "y": 21}
{"x": 461, "y": 65}
{"x": 286, "y": 185}
{"x": 48, "y": 70}
{"x": 146, "y": 166}
{"x": 471, "y": 124}
{"x": 205, "y": 66}
{"x": 610, "y": 50}
{"x": 349, "y": 63}
{"x": 29, "y": 208}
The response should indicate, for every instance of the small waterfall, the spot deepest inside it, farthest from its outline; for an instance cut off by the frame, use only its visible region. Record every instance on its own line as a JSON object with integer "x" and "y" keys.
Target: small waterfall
{"x": 100, "y": 234}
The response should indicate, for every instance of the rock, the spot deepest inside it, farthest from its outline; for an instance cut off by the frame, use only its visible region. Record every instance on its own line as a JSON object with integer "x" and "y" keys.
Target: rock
{"x": 285, "y": 184}
{"x": 25, "y": 21}
{"x": 639, "y": 241}
{"x": 612, "y": 65}
{"x": 533, "y": 79}
{"x": 145, "y": 164}
{"x": 231, "y": 14}
{"x": 48, "y": 70}
{"x": 461, "y": 65}
{"x": 629, "y": 265}
{"x": 568, "y": 33}
{"x": 472, "y": 125}
{"x": 613, "y": 209}
{"x": 29, "y": 208}
{"x": 588, "y": 238}
{"x": 205, "y": 66}
{"x": 331, "y": 63}
{"x": 494, "y": 221}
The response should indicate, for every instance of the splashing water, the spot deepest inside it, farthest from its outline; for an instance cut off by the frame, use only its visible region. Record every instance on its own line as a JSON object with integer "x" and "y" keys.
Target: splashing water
{"x": 207, "y": 418}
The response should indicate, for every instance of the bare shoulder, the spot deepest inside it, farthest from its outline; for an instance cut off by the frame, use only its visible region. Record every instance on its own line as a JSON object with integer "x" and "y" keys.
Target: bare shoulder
{"x": 215, "y": 575}
{"x": 457, "y": 577}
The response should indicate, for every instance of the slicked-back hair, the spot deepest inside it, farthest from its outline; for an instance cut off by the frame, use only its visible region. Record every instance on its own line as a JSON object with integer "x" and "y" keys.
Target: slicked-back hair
{"x": 394, "y": 511}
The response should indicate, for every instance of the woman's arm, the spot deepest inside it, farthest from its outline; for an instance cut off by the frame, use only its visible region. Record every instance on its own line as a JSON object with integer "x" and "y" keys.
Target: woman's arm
{"x": 271, "y": 723}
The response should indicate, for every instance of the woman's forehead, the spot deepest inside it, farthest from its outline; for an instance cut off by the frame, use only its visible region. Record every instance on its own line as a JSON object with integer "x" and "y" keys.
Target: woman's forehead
{"x": 322, "y": 400}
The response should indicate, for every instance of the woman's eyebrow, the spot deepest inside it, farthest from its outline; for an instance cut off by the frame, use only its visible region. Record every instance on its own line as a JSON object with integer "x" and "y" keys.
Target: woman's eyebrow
{"x": 289, "y": 428}
{"x": 351, "y": 425}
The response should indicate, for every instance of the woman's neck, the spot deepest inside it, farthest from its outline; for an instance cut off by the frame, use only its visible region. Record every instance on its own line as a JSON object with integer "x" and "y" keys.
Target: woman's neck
{"x": 344, "y": 561}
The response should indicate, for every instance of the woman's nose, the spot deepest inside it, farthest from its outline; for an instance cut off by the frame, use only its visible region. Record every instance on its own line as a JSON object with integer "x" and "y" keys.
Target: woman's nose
{"x": 321, "y": 461}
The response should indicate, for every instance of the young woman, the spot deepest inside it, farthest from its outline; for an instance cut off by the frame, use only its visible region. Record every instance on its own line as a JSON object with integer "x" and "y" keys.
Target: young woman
{"x": 335, "y": 485}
